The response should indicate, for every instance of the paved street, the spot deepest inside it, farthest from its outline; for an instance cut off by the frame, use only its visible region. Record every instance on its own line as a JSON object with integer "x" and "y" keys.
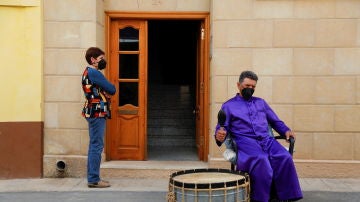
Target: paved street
{"x": 126, "y": 196}
{"x": 150, "y": 190}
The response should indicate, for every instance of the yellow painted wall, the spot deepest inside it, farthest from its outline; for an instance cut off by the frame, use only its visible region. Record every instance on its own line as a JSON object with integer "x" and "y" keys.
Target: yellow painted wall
{"x": 21, "y": 61}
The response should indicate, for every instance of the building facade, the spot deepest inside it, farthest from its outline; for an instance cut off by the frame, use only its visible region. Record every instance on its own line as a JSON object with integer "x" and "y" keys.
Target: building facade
{"x": 305, "y": 52}
{"x": 21, "y": 111}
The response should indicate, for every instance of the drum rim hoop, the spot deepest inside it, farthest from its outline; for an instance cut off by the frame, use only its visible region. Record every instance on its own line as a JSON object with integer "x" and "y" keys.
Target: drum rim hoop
{"x": 215, "y": 185}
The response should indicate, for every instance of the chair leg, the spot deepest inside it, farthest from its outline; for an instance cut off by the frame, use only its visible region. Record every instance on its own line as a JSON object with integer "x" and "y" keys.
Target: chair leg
{"x": 291, "y": 145}
{"x": 232, "y": 167}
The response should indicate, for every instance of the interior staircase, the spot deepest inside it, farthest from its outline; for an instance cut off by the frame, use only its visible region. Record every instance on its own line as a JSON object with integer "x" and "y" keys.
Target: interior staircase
{"x": 171, "y": 123}
{"x": 170, "y": 118}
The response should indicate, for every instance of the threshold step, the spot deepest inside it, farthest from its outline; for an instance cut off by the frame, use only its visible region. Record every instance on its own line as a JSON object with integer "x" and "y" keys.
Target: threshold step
{"x": 147, "y": 169}
{"x": 158, "y": 165}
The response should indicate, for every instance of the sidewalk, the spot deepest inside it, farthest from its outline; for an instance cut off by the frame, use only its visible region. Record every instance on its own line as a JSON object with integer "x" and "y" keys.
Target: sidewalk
{"x": 153, "y": 185}
{"x": 80, "y": 184}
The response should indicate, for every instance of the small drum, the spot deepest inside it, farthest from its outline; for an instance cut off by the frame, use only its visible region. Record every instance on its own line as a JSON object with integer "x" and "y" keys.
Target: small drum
{"x": 209, "y": 185}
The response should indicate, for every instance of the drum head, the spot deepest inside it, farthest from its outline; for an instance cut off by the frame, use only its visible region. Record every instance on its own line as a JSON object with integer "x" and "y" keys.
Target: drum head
{"x": 208, "y": 178}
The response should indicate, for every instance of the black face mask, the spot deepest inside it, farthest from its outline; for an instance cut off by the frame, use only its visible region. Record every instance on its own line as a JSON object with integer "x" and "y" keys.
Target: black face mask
{"x": 247, "y": 93}
{"x": 102, "y": 64}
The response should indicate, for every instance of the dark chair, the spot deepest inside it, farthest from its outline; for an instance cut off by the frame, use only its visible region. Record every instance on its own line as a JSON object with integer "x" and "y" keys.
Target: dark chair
{"x": 221, "y": 120}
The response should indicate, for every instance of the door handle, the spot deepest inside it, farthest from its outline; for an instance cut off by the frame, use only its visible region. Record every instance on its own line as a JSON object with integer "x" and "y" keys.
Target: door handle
{"x": 196, "y": 111}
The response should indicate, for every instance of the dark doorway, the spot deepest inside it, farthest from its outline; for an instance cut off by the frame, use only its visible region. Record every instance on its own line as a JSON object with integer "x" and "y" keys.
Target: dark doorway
{"x": 172, "y": 59}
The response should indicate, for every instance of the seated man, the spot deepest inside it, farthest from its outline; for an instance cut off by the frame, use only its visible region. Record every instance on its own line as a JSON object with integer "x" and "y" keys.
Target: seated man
{"x": 260, "y": 155}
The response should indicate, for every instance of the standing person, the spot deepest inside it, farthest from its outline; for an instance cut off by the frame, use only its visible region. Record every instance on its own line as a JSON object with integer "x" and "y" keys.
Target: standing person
{"x": 97, "y": 90}
{"x": 264, "y": 158}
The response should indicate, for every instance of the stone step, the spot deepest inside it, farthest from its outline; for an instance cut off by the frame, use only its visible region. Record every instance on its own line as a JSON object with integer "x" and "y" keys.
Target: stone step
{"x": 160, "y": 88}
{"x": 171, "y": 141}
{"x": 171, "y": 131}
{"x": 170, "y": 100}
{"x": 172, "y": 153}
{"x": 170, "y": 113}
{"x": 166, "y": 122}
{"x": 187, "y": 109}
{"x": 146, "y": 169}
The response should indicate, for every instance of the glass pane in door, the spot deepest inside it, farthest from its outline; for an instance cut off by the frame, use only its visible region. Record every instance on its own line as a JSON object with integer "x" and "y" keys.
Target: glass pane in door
{"x": 128, "y": 39}
{"x": 128, "y": 93}
{"x": 129, "y": 66}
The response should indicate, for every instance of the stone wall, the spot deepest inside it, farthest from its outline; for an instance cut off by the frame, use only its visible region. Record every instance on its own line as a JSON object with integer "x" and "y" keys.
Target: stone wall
{"x": 70, "y": 27}
{"x": 306, "y": 54}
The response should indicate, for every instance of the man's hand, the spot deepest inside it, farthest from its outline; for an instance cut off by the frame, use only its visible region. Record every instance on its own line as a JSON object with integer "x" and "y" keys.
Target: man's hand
{"x": 220, "y": 134}
{"x": 289, "y": 134}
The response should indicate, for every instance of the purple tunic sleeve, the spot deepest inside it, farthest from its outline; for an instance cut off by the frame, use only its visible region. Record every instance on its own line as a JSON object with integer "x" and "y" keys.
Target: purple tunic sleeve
{"x": 274, "y": 121}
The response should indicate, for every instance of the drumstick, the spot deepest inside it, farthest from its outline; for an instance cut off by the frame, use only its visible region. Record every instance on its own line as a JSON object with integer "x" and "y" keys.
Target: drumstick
{"x": 221, "y": 118}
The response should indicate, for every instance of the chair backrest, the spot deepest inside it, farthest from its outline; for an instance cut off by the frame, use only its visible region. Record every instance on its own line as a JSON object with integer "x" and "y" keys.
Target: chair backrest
{"x": 271, "y": 132}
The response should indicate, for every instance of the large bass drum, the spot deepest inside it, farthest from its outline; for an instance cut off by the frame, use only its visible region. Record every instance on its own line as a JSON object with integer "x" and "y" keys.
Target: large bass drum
{"x": 209, "y": 185}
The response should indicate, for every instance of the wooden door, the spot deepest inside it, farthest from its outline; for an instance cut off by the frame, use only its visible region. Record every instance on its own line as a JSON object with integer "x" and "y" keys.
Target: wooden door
{"x": 128, "y": 70}
{"x": 199, "y": 110}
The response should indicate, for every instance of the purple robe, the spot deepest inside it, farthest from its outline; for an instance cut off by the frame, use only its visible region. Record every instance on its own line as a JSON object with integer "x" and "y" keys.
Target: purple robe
{"x": 259, "y": 154}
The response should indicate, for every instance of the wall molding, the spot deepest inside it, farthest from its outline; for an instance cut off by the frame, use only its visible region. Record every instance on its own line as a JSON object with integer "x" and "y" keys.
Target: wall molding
{"x": 20, "y": 3}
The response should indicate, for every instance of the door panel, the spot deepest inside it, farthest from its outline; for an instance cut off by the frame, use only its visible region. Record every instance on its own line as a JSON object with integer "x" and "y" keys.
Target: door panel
{"x": 199, "y": 111}
{"x": 127, "y": 138}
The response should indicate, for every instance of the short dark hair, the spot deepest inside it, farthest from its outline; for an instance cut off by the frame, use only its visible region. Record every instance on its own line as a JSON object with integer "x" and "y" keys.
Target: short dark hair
{"x": 93, "y": 52}
{"x": 247, "y": 74}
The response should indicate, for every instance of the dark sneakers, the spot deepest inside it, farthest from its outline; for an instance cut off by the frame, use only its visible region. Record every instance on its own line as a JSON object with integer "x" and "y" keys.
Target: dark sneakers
{"x": 100, "y": 184}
